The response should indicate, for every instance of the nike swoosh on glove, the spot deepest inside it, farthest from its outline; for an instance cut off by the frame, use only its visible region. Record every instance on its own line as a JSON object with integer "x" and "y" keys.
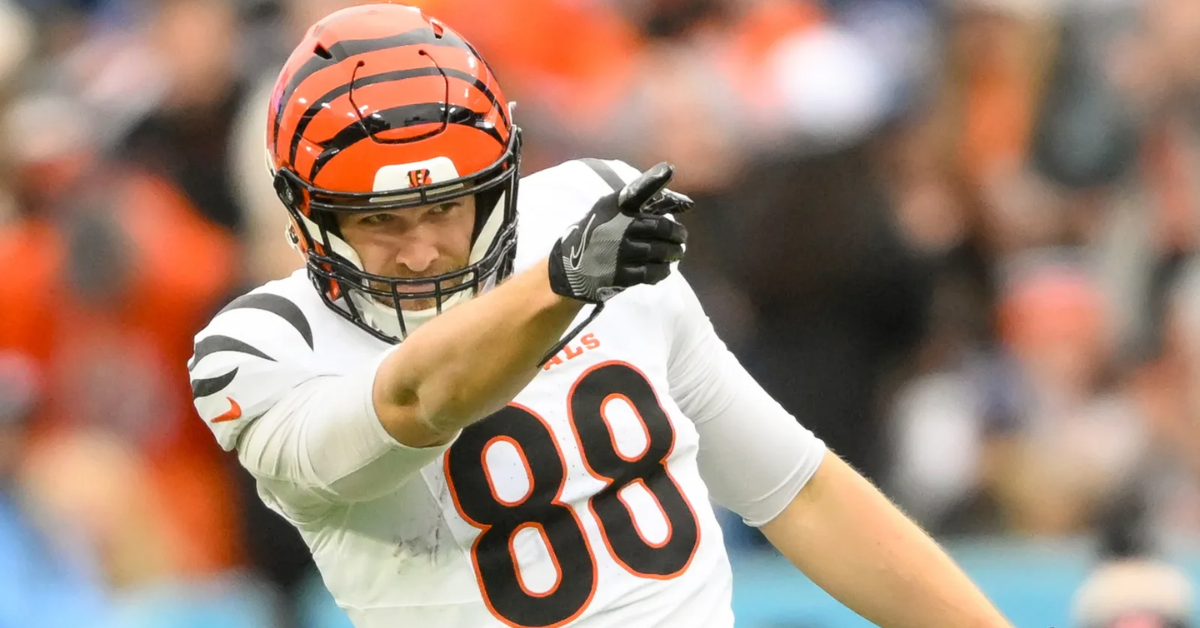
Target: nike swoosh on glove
{"x": 627, "y": 239}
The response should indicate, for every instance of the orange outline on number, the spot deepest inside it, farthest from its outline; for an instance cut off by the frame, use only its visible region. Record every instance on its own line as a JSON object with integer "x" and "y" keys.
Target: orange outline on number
{"x": 557, "y": 501}
{"x": 608, "y": 482}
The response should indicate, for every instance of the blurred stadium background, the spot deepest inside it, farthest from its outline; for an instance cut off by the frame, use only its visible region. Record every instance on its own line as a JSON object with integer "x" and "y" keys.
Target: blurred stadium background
{"x": 956, "y": 238}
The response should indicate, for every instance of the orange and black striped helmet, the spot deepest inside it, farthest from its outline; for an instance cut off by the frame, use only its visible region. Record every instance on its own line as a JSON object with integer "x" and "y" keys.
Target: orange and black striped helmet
{"x": 383, "y": 107}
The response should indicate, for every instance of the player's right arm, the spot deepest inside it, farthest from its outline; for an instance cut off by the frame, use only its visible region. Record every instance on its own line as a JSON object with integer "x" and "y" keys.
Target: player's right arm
{"x": 314, "y": 438}
{"x": 472, "y": 360}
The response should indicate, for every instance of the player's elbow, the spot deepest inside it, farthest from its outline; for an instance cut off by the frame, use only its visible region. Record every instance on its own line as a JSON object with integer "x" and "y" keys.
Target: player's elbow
{"x": 412, "y": 423}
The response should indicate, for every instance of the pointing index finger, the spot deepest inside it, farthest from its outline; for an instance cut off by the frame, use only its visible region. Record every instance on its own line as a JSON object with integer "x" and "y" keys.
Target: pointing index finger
{"x": 637, "y": 192}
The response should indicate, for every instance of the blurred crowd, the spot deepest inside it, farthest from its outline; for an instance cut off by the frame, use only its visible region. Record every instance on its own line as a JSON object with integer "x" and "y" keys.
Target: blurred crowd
{"x": 958, "y": 239}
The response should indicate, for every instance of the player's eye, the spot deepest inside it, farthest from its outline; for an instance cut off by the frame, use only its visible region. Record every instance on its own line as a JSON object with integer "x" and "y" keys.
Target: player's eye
{"x": 444, "y": 208}
{"x": 376, "y": 219}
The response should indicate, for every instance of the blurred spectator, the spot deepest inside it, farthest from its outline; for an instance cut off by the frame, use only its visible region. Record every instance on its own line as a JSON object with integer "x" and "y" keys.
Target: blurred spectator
{"x": 45, "y": 581}
{"x": 116, "y": 513}
{"x": 118, "y": 271}
{"x": 1147, "y": 215}
{"x": 186, "y": 138}
{"x": 1078, "y": 435}
{"x": 1166, "y": 389}
{"x": 1041, "y": 437}
{"x": 1132, "y": 587}
{"x": 566, "y": 63}
{"x": 998, "y": 55}
{"x": 836, "y": 296}
{"x": 16, "y": 40}
{"x": 267, "y": 253}
{"x": 1135, "y": 594}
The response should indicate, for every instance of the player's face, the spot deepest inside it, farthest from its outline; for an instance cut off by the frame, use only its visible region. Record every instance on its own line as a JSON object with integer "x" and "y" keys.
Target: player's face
{"x": 413, "y": 243}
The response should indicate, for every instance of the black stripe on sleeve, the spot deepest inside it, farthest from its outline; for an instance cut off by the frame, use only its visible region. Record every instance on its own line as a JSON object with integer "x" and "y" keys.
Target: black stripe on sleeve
{"x": 206, "y": 387}
{"x": 215, "y": 344}
{"x": 278, "y": 306}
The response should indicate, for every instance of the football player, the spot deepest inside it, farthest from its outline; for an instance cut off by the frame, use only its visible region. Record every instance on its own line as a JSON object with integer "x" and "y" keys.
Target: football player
{"x": 484, "y": 407}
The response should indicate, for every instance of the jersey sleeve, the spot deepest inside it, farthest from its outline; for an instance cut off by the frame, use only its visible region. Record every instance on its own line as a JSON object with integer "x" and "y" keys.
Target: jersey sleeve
{"x": 322, "y": 444}
{"x": 249, "y": 356}
{"x": 754, "y": 456}
{"x": 310, "y": 437}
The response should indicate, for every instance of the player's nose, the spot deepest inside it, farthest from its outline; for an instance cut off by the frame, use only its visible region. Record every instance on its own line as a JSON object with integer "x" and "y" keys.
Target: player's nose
{"x": 417, "y": 255}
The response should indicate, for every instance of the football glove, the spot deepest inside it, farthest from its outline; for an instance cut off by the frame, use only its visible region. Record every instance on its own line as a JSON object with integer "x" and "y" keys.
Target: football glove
{"x": 627, "y": 239}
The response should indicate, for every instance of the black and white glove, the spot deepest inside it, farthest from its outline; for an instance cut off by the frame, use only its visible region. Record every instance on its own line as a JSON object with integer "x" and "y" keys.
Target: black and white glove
{"x": 626, "y": 239}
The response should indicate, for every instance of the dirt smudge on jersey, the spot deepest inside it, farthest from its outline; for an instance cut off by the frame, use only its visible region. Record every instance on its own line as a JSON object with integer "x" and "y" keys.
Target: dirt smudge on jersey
{"x": 425, "y": 545}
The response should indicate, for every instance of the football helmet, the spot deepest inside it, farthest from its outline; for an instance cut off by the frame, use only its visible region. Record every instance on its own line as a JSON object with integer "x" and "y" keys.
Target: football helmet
{"x": 381, "y": 107}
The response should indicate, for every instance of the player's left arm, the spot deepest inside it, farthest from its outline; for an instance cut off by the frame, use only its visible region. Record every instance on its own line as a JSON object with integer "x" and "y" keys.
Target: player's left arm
{"x": 828, "y": 520}
{"x": 853, "y": 543}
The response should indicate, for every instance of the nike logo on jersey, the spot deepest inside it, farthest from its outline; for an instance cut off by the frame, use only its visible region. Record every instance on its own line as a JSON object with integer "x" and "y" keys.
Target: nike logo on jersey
{"x": 577, "y": 252}
{"x": 234, "y": 413}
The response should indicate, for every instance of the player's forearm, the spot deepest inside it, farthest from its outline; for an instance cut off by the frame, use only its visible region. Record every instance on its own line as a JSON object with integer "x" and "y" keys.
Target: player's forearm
{"x": 471, "y": 360}
{"x": 853, "y": 543}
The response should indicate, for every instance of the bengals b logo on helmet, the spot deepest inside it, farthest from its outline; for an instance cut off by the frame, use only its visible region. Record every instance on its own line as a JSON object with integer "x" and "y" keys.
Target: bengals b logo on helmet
{"x": 417, "y": 178}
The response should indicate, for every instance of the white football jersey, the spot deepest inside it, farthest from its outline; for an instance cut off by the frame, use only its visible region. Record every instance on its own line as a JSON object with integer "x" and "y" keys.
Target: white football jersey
{"x": 580, "y": 503}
